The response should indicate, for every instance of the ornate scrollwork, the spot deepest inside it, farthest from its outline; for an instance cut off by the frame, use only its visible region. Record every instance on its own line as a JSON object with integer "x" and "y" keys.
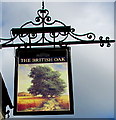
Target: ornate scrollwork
{"x": 89, "y": 36}
{"x": 44, "y": 34}
{"x": 103, "y": 41}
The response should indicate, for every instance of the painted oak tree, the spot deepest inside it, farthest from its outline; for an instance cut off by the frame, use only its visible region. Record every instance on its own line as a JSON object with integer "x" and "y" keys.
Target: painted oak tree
{"x": 46, "y": 82}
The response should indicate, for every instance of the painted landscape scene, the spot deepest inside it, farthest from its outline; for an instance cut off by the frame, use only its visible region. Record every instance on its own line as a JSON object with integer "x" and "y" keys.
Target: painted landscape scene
{"x": 43, "y": 87}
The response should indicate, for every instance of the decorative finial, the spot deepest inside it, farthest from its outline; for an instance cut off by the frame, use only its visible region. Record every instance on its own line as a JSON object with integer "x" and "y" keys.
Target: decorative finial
{"x": 42, "y": 4}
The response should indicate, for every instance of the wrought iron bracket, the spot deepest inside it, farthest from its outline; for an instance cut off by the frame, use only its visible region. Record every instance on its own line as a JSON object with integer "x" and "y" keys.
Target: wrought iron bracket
{"x": 6, "y": 101}
{"x": 44, "y": 33}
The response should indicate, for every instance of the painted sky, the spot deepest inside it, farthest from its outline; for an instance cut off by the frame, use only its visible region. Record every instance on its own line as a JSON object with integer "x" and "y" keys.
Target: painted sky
{"x": 92, "y": 66}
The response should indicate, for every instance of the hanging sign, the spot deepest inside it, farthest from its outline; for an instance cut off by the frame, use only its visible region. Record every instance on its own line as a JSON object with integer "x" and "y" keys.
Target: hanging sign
{"x": 43, "y": 82}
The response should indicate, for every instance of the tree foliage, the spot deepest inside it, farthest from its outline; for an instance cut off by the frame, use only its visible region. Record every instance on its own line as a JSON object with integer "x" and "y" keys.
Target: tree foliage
{"x": 46, "y": 81}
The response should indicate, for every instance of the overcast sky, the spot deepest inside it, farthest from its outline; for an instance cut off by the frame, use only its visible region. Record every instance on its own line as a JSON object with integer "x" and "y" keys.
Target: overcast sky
{"x": 92, "y": 66}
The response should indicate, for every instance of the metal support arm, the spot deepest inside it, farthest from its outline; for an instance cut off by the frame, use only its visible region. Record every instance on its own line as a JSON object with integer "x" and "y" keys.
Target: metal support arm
{"x": 46, "y": 33}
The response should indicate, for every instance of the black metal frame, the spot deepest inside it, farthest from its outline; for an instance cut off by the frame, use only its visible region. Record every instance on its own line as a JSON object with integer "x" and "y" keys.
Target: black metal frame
{"x": 31, "y": 53}
{"x": 46, "y": 34}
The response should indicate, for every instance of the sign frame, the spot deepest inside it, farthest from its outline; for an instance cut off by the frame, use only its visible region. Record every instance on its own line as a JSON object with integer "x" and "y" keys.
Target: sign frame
{"x": 39, "y": 56}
